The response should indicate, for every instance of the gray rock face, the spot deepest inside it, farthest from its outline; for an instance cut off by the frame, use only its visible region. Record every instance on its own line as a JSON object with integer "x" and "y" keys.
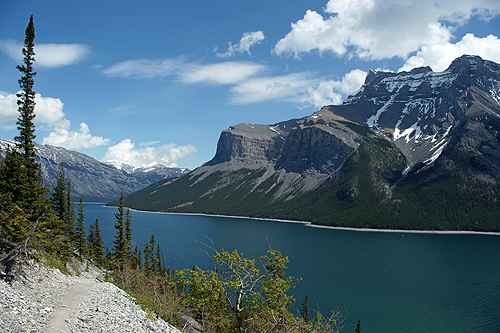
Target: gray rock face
{"x": 420, "y": 111}
{"x": 92, "y": 180}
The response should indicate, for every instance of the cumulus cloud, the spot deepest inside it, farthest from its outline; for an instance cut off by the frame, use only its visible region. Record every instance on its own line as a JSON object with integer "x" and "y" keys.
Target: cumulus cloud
{"x": 303, "y": 88}
{"x": 48, "y": 55}
{"x": 48, "y": 110}
{"x": 74, "y": 140}
{"x": 50, "y": 116}
{"x": 221, "y": 73}
{"x": 248, "y": 40}
{"x": 377, "y": 29}
{"x": 440, "y": 56}
{"x": 168, "y": 155}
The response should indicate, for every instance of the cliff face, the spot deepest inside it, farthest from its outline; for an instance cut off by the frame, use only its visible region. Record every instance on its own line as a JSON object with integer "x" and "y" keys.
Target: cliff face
{"x": 399, "y": 148}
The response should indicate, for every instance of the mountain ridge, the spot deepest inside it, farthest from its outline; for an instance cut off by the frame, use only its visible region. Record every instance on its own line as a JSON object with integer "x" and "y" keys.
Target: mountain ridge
{"x": 91, "y": 180}
{"x": 399, "y": 148}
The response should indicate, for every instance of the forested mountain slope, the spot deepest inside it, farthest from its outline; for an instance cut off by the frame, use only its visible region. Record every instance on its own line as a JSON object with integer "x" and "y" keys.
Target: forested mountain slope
{"x": 411, "y": 150}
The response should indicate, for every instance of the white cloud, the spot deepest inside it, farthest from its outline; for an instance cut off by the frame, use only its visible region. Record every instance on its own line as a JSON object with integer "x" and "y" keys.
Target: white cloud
{"x": 146, "y": 68}
{"x": 48, "y": 110}
{"x": 377, "y": 29}
{"x": 221, "y": 73}
{"x": 440, "y": 56}
{"x": 302, "y": 88}
{"x": 8, "y": 107}
{"x": 74, "y": 140}
{"x": 248, "y": 40}
{"x": 48, "y": 55}
{"x": 168, "y": 155}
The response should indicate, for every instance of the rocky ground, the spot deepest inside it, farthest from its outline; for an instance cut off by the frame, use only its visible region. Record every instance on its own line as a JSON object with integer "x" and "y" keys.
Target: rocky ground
{"x": 46, "y": 300}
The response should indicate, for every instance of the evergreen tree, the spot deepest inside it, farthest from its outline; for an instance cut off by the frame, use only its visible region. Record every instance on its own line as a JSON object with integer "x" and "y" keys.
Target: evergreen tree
{"x": 148, "y": 254}
{"x": 151, "y": 261}
{"x": 120, "y": 241}
{"x": 21, "y": 189}
{"x": 70, "y": 218}
{"x": 63, "y": 205}
{"x": 80, "y": 239}
{"x": 59, "y": 195}
{"x": 358, "y": 327}
{"x": 304, "y": 313}
{"x": 26, "y": 102}
{"x": 128, "y": 232}
{"x": 136, "y": 259}
{"x": 97, "y": 244}
{"x": 159, "y": 267}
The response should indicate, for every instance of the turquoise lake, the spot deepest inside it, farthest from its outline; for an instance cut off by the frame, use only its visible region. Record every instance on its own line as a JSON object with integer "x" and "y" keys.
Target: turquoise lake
{"x": 392, "y": 282}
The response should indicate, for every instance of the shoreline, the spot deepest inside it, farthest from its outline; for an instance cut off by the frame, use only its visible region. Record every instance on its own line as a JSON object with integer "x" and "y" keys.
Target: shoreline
{"x": 310, "y": 224}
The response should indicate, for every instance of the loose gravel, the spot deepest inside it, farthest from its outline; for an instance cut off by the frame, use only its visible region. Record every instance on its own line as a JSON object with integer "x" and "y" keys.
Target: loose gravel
{"x": 46, "y": 300}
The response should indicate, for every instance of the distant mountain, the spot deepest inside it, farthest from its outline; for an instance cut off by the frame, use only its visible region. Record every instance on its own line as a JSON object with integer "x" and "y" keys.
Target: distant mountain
{"x": 410, "y": 150}
{"x": 93, "y": 180}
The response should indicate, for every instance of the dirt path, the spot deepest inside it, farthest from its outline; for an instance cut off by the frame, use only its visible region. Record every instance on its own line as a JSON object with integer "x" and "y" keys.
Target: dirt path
{"x": 68, "y": 303}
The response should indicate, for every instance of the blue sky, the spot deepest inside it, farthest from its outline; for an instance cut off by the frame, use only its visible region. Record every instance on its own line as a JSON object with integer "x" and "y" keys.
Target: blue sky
{"x": 159, "y": 80}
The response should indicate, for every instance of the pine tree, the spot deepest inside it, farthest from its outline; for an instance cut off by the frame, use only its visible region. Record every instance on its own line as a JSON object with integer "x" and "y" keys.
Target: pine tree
{"x": 128, "y": 232}
{"x": 159, "y": 267}
{"x": 80, "y": 239}
{"x": 21, "y": 189}
{"x": 120, "y": 241}
{"x": 26, "y": 102}
{"x": 98, "y": 247}
{"x": 63, "y": 205}
{"x": 358, "y": 327}
{"x": 136, "y": 259}
{"x": 305, "y": 310}
{"x": 59, "y": 195}
{"x": 70, "y": 218}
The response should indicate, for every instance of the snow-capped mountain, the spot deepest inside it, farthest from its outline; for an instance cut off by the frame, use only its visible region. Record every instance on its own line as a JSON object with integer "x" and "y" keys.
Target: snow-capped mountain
{"x": 93, "y": 180}
{"x": 149, "y": 167}
{"x": 418, "y": 149}
{"x": 420, "y": 109}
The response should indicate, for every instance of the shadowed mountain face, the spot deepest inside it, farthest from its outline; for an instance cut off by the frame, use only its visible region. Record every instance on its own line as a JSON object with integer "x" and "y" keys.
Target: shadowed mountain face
{"x": 403, "y": 151}
{"x": 93, "y": 180}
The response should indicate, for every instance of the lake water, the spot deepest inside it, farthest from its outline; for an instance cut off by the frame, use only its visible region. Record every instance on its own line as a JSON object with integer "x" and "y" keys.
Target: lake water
{"x": 392, "y": 282}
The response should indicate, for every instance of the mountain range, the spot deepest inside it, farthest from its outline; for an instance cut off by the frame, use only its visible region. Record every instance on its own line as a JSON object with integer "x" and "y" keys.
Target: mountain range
{"x": 408, "y": 150}
{"x": 92, "y": 180}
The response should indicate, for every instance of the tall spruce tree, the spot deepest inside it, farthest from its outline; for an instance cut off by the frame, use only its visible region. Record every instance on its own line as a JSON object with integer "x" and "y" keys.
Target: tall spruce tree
{"x": 59, "y": 194}
{"x": 80, "y": 239}
{"x": 120, "y": 242}
{"x": 70, "y": 218}
{"x": 21, "y": 188}
{"x": 128, "y": 232}
{"x": 26, "y": 102}
{"x": 63, "y": 205}
{"x": 95, "y": 243}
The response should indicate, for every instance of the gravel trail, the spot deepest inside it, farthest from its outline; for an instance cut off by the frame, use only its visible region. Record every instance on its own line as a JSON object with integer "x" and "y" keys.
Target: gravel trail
{"x": 47, "y": 301}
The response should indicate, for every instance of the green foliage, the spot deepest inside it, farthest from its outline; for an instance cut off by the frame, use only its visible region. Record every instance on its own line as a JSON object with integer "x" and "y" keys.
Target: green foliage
{"x": 358, "y": 327}
{"x": 239, "y": 296}
{"x": 26, "y": 102}
{"x": 304, "y": 313}
{"x": 22, "y": 201}
{"x": 95, "y": 243}
{"x": 80, "y": 237}
{"x": 121, "y": 249}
